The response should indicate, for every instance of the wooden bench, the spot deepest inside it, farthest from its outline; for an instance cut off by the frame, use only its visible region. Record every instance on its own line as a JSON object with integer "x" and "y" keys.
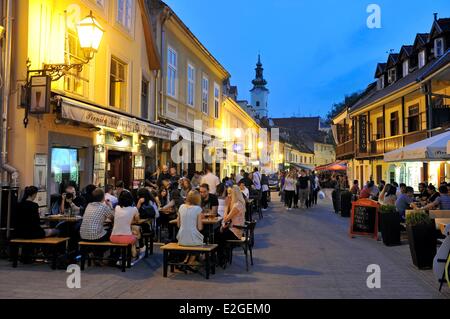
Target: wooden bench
{"x": 54, "y": 242}
{"x": 208, "y": 250}
{"x": 125, "y": 252}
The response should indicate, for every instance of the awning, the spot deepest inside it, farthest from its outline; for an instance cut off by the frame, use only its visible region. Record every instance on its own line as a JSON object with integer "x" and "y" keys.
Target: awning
{"x": 430, "y": 149}
{"x": 336, "y": 166}
{"x": 301, "y": 166}
{"x": 196, "y": 137}
{"x": 82, "y": 112}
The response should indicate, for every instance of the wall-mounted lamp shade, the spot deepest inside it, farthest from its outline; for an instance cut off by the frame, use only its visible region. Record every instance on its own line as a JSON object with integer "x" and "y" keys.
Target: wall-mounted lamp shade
{"x": 90, "y": 35}
{"x": 150, "y": 144}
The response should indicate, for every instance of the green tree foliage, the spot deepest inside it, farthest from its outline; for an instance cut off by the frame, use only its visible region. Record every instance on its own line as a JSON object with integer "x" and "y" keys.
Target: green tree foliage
{"x": 336, "y": 108}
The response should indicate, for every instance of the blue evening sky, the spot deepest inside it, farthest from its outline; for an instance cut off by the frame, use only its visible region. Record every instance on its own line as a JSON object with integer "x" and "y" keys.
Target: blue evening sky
{"x": 314, "y": 52}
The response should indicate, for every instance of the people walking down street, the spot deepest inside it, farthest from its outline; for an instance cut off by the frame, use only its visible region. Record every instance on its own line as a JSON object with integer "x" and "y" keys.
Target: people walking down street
{"x": 264, "y": 191}
{"x": 210, "y": 179}
{"x": 290, "y": 188}
{"x": 281, "y": 181}
{"x": 316, "y": 187}
{"x": 304, "y": 186}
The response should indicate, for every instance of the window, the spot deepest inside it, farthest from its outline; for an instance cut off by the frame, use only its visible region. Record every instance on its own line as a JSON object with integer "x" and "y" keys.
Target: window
{"x": 74, "y": 81}
{"x": 394, "y": 124}
{"x": 171, "y": 72}
{"x": 205, "y": 94}
{"x": 380, "y": 82}
{"x": 124, "y": 13}
{"x": 413, "y": 119}
{"x": 380, "y": 128}
{"x": 392, "y": 75}
{"x": 100, "y": 3}
{"x": 438, "y": 47}
{"x": 421, "y": 58}
{"x": 190, "y": 85}
{"x": 405, "y": 68}
{"x": 144, "y": 98}
{"x": 117, "y": 84}
{"x": 257, "y": 103}
{"x": 216, "y": 100}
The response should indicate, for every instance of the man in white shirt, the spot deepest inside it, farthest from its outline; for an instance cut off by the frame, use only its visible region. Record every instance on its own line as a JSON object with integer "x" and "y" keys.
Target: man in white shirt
{"x": 256, "y": 179}
{"x": 239, "y": 176}
{"x": 210, "y": 179}
{"x": 110, "y": 199}
{"x": 244, "y": 190}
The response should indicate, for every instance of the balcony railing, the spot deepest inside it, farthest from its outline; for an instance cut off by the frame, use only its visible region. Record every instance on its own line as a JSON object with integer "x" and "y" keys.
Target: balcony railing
{"x": 380, "y": 146}
{"x": 345, "y": 149}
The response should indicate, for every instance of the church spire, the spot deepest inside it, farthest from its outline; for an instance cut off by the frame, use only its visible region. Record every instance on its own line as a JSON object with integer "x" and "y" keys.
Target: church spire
{"x": 259, "y": 81}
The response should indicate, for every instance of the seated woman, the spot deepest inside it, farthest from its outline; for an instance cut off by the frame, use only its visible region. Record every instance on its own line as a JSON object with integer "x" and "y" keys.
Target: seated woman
{"x": 388, "y": 195}
{"x": 189, "y": 221}
{"x": 125, "y": 215}
{"x": 28, "y": 223}
{"x": 234, "y": 215}
{"x": 190, "y": 224}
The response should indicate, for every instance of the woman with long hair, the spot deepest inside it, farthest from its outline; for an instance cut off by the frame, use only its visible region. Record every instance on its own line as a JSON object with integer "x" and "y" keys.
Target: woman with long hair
{"x": 28, "y": 223}
{"x": 289, "y": 188}
{"x": 234, "y": 215}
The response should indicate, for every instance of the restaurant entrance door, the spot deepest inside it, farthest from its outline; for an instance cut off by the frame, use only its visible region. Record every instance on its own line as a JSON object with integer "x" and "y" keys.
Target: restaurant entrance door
{"x": 119, "y": 168}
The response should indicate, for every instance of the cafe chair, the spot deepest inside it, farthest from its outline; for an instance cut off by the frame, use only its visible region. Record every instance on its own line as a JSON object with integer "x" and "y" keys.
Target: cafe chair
{"x": 246, "y": 242}
{"x": 440, "y": 260}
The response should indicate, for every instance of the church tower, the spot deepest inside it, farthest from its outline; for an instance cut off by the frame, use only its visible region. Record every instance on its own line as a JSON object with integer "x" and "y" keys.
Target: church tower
{"x": 259, "y": 93}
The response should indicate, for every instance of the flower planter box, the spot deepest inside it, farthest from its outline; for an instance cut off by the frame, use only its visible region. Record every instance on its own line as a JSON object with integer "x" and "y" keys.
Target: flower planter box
{"x": 422, "y": 244}
{"x": 390, "y": 228}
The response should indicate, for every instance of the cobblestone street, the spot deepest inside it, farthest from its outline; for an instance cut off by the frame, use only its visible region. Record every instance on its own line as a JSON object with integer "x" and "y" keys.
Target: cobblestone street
{"x": 298, "y": 254}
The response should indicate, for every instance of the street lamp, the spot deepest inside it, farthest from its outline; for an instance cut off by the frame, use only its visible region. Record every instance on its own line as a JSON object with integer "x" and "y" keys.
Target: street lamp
{"x": 37, "y": 89}
{"x": 90, "y": 34}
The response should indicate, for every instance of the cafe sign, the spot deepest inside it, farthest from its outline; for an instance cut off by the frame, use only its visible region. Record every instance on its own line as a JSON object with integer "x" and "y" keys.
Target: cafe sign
{"x": 81, "y": 112}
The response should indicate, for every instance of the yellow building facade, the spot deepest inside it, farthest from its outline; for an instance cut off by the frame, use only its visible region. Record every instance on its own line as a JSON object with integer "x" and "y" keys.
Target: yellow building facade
{"x": 99, "y": 125}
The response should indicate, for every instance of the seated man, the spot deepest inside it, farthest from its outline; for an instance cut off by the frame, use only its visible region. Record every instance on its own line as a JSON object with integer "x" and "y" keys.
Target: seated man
{"x": 440, "y": 202}
{"x": 244, "y": 190}
{"x": 404, "y": 201}
{"x": 95, "y": 216}
{"x": 209, "y": 201}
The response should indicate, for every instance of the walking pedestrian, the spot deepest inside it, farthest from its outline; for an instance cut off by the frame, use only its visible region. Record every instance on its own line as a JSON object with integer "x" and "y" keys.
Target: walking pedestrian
{"x": 304, "y": 186}
{"x": 289, "y": 189}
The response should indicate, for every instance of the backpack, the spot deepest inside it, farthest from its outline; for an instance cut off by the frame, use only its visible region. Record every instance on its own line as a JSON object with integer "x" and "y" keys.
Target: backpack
{"x": 146, "y": 212}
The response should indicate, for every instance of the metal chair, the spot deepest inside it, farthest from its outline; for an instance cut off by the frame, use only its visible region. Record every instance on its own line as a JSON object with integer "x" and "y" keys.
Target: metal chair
{"x": 246, "y": 242}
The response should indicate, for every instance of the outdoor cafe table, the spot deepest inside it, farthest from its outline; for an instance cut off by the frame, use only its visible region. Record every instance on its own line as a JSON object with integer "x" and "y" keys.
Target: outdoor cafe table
{"x": 210, "y": 224}
{"x": 62, "y": 218}
{"x": 441, "y": 223}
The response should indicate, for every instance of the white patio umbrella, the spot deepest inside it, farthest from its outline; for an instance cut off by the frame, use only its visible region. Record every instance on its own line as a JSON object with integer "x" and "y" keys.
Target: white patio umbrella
{"x": 433, "y": 148}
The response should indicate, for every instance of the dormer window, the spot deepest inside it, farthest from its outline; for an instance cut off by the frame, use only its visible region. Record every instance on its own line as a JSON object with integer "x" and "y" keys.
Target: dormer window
{"x": 380, "y": 82}
{"x": 438, "y": 47}
{"x": 405, "y": 68}
{"x": 421, "y": 59}
{"x": 392, "y": 75}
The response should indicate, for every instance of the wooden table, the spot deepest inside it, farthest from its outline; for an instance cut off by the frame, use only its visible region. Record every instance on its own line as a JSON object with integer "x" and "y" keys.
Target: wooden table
{"x": 62, "y": 218}
{"x": 209, "y": 230}
{"x": 441, "y": 223}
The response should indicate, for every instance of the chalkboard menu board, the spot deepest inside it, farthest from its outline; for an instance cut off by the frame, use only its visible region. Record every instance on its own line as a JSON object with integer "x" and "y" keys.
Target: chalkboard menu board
{"x": 364, "y": 219}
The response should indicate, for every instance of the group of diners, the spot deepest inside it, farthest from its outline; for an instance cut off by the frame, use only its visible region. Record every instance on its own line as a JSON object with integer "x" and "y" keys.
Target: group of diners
{"x": 114, "y": 213}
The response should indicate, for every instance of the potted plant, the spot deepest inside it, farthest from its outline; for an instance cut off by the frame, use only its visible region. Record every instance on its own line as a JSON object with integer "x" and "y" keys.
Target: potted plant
{"x": 421, "y": 231}
{"x": 390, "y": 225}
